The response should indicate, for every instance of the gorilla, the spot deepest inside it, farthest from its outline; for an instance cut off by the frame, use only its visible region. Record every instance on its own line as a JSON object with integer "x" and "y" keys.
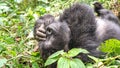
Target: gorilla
{"x": 77, "y": 27}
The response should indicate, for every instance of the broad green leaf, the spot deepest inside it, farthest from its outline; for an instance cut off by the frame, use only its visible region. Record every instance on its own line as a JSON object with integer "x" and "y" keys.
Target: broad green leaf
{"x": 63, "y": 63}
{"x": 75, "y": 51}
{"x": 51, "y": 60}
{"x": 56, "y": 54}
{"x": 73, "y": 64}
{"x": 3, "y": 62}
{"x": 76, "y": 63}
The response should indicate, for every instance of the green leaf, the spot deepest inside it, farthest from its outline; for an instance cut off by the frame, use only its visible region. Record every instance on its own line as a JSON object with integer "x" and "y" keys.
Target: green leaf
{"x": 35, "y": 54}
{"x": 73, "y": 64}
{"x": 75, "y": 51}
{"x": 89, "y": 65}
{"x": 76, "y": 63}
{"x": 51, "y": 60}
{"x": 56, "y": 54}
{"x": 35, "y": 65}
{"x": 63, "y": 63}
{"x": 94, "y": 58}
{"x": 3, "y": 62}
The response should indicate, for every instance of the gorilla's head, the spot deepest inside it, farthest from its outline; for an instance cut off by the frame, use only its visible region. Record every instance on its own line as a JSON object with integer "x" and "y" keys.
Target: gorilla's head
{"x": 58, "y": 36}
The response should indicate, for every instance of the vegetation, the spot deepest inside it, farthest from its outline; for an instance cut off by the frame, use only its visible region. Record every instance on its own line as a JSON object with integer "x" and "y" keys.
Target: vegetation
{"x": 17, "y": 19}
{"x": 66, "y": 60}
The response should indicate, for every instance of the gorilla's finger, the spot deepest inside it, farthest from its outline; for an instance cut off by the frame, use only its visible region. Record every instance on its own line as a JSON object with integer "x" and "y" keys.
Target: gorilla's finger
{"x": 41, "y": 28}
{"x": 40, "y": 38}
{"x": 41, "y": 34}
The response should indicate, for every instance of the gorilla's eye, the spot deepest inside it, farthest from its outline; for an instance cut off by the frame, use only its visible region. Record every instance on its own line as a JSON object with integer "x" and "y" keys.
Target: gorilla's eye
{"x": 49, "y": 31}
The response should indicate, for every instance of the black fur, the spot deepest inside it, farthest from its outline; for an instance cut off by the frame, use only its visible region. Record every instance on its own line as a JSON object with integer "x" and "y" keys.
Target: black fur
{"x": 81, "y": 31}
{"x": 86, "y": 31}
{"x": 97, "y": 6}
{"x": 82, "y": 23}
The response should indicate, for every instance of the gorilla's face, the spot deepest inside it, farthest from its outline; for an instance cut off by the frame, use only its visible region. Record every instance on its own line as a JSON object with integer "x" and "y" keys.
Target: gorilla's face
{"x": 57, "y": 36}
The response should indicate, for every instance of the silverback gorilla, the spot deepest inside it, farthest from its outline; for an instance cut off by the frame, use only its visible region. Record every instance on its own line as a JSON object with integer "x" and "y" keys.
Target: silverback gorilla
{"x": 77, "y": 27}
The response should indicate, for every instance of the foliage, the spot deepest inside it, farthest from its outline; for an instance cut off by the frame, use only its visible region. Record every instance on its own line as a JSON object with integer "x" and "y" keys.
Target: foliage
{"x": 111, "y": 46}
{"x": 17, "y": 19}
{"x": 112, "y": 60}
{"x": 66, "y": 60}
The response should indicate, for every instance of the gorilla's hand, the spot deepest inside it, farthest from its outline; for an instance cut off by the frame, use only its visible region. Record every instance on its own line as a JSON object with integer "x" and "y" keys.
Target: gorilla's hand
{"x": 40, "y": 26}
{"x": 39, "y": 33}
